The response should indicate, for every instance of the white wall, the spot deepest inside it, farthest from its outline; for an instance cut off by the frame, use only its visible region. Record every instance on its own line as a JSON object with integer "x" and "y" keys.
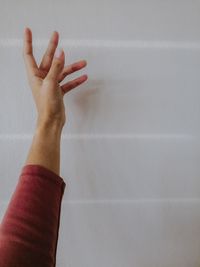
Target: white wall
{"x": 130, "y": 148}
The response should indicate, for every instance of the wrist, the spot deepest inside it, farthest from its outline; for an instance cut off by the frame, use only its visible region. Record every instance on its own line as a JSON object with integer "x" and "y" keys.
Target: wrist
{"x": 52, "y": 126}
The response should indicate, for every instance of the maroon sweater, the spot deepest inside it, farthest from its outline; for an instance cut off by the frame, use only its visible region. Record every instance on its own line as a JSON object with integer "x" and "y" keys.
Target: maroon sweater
{"x": 30, "y": 226}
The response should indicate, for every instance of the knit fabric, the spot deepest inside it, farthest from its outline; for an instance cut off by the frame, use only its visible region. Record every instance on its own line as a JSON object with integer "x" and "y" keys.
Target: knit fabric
{"x": 30, "y": 227}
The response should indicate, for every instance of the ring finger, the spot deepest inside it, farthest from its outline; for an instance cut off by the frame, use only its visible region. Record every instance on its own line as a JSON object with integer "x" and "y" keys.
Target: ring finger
{"x": 71, "y": 68}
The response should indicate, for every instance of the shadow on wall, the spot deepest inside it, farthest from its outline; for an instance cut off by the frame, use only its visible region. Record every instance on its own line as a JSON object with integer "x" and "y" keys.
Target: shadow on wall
{"x": 88, "y": 101}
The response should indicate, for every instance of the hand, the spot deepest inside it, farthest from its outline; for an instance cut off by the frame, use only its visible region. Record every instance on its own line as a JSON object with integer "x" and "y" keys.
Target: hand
{"x": 44, "y": 80}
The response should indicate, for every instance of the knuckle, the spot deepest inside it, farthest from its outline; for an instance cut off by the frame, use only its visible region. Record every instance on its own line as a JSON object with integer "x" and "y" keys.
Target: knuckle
{"x": 57, "y": 62}
{"x": 74, "y": 68}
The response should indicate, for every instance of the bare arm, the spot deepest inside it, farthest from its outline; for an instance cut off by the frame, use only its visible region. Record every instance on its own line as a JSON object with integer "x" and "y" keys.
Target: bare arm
{"x": 45, "y": 147}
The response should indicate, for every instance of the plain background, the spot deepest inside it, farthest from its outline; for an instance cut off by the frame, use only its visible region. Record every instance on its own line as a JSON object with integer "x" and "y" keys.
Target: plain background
{"x": 130, "y": 148}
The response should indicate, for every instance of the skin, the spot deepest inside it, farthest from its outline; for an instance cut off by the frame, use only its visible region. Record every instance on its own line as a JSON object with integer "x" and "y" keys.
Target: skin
{"x": 44, "y": 80}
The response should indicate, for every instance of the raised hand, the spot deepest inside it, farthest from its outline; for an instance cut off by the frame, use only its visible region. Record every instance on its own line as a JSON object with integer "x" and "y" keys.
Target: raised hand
{"x": 44, "y": 80}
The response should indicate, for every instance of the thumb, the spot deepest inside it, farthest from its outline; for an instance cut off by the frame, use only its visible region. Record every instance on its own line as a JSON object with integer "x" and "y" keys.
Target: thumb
{"x": 57, "y": 64}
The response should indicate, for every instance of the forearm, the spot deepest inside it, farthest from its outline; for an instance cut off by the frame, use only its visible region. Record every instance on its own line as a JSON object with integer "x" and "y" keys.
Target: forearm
{"x": 45, "y": 147}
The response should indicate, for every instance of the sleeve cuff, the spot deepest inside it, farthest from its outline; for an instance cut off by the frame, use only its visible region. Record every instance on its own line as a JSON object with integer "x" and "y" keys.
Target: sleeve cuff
{"x": 39, "y": 170}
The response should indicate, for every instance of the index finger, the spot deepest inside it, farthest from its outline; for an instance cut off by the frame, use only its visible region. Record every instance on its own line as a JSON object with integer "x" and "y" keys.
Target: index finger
{"x": 28, "y": 53}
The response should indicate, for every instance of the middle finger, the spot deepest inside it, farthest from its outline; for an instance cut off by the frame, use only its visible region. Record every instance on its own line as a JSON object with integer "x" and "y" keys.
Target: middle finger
{"x": 48, "y": 56}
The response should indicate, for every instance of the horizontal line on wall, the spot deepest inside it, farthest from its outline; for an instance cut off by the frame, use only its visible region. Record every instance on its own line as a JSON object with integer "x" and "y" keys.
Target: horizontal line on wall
{"x": 105, "y": 136}
{"x": 164, "y": 44}
{"x": 124, "y": 201}
{"x": 137, "y": 200}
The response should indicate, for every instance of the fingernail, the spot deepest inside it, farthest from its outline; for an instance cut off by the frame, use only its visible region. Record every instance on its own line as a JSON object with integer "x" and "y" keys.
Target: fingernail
{"x": 58, "y": 52}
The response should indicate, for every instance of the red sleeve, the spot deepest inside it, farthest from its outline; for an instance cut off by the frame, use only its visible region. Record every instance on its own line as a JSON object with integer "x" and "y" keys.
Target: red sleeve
{"x": 30, "y": 226}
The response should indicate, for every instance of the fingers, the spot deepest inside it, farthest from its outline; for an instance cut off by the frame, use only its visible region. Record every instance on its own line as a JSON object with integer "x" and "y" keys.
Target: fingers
{"x": 29, "y": 59}
{"x": 57, "y": 65}
{"x": 72, "y": 68}
{"x": 74, "y": 83}
{"x": 48, "y": 56}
